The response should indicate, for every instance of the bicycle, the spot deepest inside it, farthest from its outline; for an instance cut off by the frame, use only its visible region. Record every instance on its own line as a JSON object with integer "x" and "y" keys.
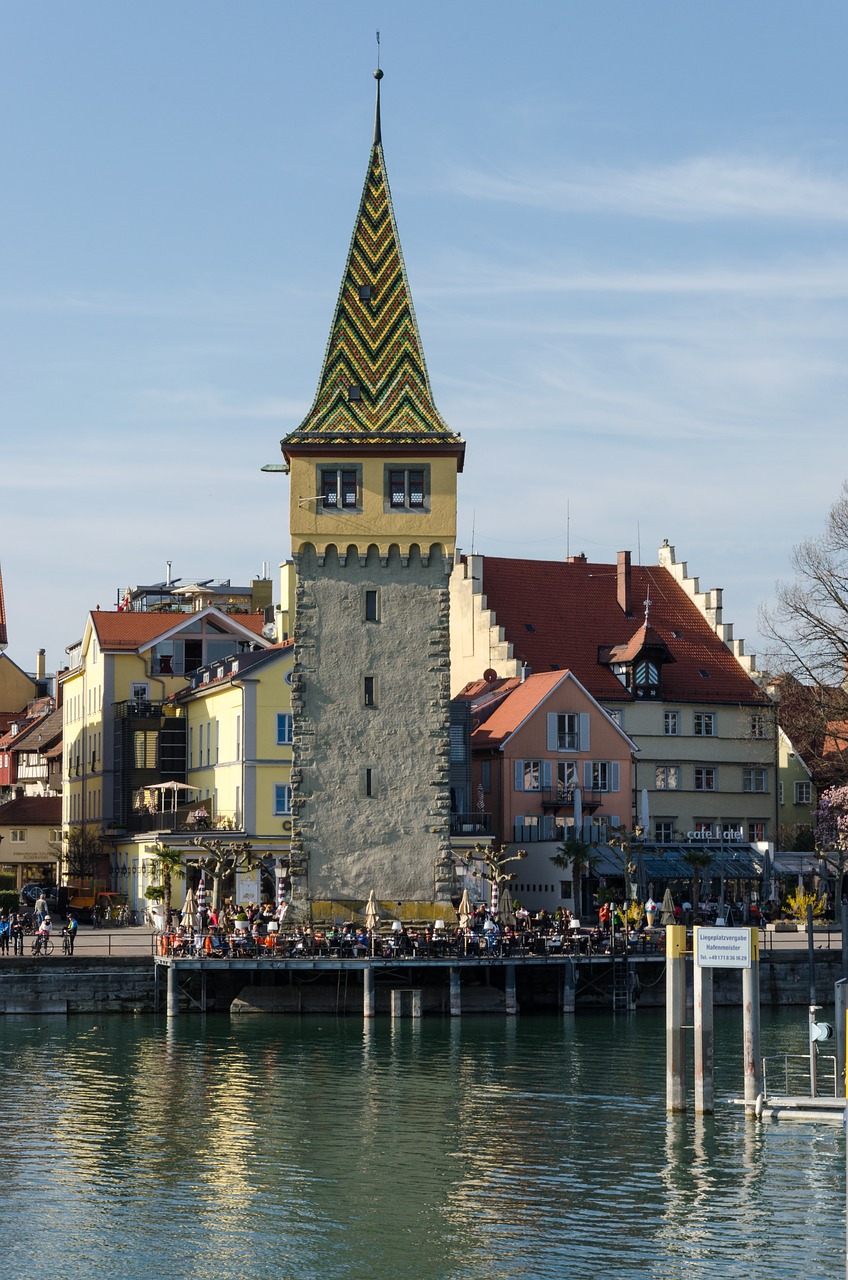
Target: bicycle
{"x": 67, "y": 943}
{"x": 42, "y": 946}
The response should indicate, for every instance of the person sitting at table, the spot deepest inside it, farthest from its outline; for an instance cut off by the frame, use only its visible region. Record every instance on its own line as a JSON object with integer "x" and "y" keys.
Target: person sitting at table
{"x": 218, "y": 945}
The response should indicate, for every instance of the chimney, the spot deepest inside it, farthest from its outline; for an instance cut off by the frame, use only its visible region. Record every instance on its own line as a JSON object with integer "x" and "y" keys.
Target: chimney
{"x": 623, "y": 583}
{"x": 39, "y": 665}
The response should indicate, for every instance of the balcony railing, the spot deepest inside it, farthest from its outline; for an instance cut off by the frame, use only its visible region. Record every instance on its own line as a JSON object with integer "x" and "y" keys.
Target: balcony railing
{"x": 471, "y": 824}
{"x": 187, "y": 817}
{"x": 563, "y": 798}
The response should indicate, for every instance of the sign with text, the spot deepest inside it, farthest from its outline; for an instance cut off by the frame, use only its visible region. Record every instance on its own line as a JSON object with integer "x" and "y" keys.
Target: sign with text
{"x": 723, "y": 948}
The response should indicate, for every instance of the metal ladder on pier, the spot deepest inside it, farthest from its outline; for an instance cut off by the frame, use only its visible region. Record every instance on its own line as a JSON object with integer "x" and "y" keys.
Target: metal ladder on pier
{"x": 620, "y": 984}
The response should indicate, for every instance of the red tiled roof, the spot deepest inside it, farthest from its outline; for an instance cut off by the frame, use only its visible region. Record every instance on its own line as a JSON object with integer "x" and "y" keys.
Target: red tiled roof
{"x": 126, "y": 631}
{"x": 559, "y": 614}
{"x": 511, "y": 711}
{"x": 44, "y": 811}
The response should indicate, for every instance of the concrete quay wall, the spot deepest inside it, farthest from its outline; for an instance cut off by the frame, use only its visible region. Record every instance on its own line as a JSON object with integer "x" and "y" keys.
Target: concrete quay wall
{"x": 117, "y": 984}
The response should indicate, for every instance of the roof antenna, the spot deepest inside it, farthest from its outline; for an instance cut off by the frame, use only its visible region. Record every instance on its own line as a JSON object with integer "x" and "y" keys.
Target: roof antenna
{"x": 378, "y": 75}
{"x": 473, "y": 526}
{"x": 638, "y": 542}
{"x": 568, "y": 528}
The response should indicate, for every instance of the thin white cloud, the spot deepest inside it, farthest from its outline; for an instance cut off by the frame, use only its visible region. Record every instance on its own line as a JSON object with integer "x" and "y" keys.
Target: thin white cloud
{"x": 698, "y": 189}
{"x": 209, "y": 404}
{"x": 472, "y": 277}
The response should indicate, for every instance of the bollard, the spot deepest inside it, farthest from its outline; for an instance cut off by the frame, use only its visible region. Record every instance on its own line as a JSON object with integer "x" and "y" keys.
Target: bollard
{"x": 675, "y": 1011}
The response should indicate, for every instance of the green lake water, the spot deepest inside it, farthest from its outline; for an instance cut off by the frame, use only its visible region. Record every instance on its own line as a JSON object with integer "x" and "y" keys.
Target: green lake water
{"x": 483, "y": 1147}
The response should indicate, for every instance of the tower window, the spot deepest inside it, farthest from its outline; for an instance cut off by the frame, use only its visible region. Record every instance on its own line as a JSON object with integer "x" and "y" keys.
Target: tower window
{"x": 407, "y": 488}
{"x": 365, "y": 293}
{"x": 369, "y": 691}
{"x": 372, "y": 605}
{"x": 339, "y": 488}
{"x": 354, "y": 391}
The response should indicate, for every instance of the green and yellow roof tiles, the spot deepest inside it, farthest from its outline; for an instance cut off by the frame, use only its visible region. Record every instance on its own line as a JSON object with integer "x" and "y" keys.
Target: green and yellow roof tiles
{"x": 374, "y": 389}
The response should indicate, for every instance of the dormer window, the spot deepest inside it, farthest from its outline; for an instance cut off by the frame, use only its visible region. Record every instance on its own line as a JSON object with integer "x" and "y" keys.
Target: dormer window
{"x": 354, "y": 391}
{"x": 365, "y": 293}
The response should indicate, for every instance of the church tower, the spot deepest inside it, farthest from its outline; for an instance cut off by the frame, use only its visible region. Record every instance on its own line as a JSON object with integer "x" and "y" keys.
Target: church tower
{"x": 373, "y": 528}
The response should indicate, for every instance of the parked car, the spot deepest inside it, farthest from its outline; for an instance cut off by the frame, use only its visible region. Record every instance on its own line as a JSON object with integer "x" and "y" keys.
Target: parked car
{"x": 56, "y": 897}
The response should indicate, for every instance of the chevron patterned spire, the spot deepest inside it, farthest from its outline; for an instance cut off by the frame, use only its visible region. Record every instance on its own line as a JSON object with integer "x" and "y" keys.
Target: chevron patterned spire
{"x": 374, "y": 388}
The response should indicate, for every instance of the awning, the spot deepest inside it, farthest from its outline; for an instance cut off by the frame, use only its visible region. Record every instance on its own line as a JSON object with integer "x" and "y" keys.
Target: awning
{"x": 673, "y": 862}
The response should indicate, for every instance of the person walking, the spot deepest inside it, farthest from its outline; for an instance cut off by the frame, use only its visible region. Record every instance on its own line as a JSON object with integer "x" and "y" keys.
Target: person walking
{"x": 40, "y": 908}
{"x": 5, "y": 933}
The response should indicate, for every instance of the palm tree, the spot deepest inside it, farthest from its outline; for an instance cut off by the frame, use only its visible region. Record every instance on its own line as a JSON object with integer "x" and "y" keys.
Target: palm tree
{"x": 169, "y": 860}
{"x": 697, "y": 859}
{"x": 577, "y": 855}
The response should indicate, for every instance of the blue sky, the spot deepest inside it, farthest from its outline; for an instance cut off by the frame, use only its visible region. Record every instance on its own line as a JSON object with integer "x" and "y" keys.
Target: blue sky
{"x": 625, "y": 231}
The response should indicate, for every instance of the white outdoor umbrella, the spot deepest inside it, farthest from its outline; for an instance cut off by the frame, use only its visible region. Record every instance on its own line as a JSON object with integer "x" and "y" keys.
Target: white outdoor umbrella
{"x": 667, "y": 915}
{"x": 464, "y": 910}
{"x": 644, "y": 814}
{"x": 578, "y": 814}
{"x": 200, "y": 903}
{"x": 189, "y": 909}
{"x": 372, "y": 915}
{"x": 171, "y": 787}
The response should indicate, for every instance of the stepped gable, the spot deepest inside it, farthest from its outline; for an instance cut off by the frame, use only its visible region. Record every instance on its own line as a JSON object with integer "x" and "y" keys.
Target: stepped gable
{"x": 560, "y": 614}
{"x": 374, "y": 350}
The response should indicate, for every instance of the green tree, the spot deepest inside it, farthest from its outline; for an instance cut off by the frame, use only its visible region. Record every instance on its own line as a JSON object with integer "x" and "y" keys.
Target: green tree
{"x": 495, "y": 860}
{"x": 222, "y": 858}
{"x": 169, "y": 861}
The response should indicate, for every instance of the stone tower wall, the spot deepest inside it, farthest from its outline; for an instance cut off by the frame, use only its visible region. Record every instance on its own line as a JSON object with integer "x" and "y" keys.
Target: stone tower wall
{"x": 395, "y": 841}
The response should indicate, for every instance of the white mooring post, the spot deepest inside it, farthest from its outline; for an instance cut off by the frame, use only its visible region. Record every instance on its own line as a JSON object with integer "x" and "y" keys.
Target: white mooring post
{"x": 751, "y": 1025}
{"x": 675, "y": 1013}
{"x": 704, "y": 1037}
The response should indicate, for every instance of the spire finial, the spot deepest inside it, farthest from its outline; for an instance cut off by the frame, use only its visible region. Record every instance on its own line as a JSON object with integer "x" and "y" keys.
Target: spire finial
{"x": 378, "y": 75}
